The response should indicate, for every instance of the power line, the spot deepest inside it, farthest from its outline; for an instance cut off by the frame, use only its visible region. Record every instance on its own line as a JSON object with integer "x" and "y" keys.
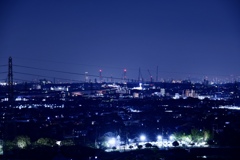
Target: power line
{"x": 49, "y": 70}
{"x": 117, "y": 78}
{"x": 24, "y": 80}
{"x": 29, "y": 74}
{"x": 38, "y": 75}
{"x": 90, "y": 75}
{"x": 70, "y": 63}
{"x": 145, "y": 70}
{"x": 57, "y": 71}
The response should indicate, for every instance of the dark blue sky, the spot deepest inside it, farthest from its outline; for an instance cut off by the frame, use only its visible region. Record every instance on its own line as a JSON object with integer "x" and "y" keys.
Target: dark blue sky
{"x": 194, "y": 38}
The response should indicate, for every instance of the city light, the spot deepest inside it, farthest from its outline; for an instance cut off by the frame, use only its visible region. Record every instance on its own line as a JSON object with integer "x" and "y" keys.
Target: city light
{"x": 142, "y": 138}
{"x": 171, "y": 137}
{"x": 112, "y": 142}
{"x": 159, "y": 138}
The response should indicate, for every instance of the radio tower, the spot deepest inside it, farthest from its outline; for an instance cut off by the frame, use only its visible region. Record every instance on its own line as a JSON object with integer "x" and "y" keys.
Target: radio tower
{"x": 100, "y": 76}
{"x": 124, "y": 75}
{"x": 10, "y": 81}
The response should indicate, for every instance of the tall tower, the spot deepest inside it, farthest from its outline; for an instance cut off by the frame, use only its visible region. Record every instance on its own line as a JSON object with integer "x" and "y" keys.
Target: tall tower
{"x": 139, "y": 75}
{"x": 100, "y": 75}
{"x": 124, "y": 75}
{"x": 86, "y": 77}
{"x": 10, "y": 81}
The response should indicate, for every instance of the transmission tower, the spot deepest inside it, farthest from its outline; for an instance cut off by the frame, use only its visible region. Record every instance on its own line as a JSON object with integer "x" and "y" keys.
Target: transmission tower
{"x": 10, "y": 81}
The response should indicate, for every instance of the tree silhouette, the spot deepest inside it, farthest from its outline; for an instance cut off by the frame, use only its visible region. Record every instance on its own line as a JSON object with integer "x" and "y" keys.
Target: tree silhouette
{"x": 148, "y": 145}
{"x": 140, "y": 146}
{"x": 131, "y": 147}
{"x": 175, "y": 143}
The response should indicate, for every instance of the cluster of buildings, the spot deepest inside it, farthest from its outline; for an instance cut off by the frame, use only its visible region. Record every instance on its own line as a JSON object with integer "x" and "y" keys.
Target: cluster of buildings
{"x": 176, "y": 90}
{"x": 95, "y": 113}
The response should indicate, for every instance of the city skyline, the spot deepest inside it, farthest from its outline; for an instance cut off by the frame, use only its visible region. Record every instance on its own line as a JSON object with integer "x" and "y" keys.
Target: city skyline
{"x": 187, "y": 39}
{"x": 26, "y": 73}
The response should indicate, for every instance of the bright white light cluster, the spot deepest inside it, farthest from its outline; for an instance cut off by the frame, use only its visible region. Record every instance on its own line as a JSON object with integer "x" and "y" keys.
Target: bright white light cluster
{"x": 161, "y": 142}
{"x": 230, "y": 107}
{"x": 142, "y": 138}
{"x": 51, "y": 106}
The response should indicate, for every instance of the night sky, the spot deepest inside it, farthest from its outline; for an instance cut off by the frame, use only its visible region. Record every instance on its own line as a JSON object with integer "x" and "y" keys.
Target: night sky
{"x": 185, "y": 39}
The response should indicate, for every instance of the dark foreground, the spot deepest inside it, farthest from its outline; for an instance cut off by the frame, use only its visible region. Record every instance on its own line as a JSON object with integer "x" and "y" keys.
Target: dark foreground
{"x": 84, "y": 153}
